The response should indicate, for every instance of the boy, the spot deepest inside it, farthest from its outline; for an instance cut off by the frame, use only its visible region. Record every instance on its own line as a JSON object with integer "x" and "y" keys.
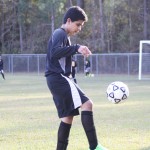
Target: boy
{"x": 73, "y": 73}
{"x": 1, "y": 68}
{"x": 87, "y": 67}
{"x": 67, "y": 96}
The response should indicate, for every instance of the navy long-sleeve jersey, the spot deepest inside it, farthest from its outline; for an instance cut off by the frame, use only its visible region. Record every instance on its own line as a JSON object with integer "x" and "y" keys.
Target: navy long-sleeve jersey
{"x": 59, "y": 54}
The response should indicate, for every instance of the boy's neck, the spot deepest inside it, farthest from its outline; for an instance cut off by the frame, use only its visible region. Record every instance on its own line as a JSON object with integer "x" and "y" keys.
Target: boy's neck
{"x": 64, "y": 27}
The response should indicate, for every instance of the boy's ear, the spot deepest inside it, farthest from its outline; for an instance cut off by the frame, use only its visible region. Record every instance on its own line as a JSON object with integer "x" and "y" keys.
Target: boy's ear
{"x": 69, "y": 20}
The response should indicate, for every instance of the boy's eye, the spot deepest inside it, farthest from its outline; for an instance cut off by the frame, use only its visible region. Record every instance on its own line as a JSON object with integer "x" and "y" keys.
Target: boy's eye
{"x": 79, "y": 25}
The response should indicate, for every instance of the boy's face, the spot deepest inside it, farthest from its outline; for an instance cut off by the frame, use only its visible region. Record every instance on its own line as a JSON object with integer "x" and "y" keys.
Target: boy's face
{"x": 74, "y": 27}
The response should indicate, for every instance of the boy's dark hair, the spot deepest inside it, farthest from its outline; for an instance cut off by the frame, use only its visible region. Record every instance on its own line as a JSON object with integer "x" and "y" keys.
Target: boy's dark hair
{"x": 75, "y": 13}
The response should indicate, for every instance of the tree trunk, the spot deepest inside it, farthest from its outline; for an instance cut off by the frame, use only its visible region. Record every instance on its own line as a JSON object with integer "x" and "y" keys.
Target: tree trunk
{"x": 130, "y": 26}
{"x": 52, "y": 18}
{"x": 111, "y": 28}
{"x": 20, "y": 26}
{"x": 145, "y": 19}
{"x": 2, "y": 31}
{"x": 101, "y": 25}
{"x": 80, "y": 3}
{"x": 93, "y": 26}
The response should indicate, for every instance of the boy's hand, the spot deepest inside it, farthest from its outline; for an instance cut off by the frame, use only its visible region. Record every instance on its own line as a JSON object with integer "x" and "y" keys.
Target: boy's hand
{"x": 84, "y": 51}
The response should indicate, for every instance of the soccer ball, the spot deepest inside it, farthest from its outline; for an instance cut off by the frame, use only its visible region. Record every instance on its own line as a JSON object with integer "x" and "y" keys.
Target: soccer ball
{"x": 117, "y": 92}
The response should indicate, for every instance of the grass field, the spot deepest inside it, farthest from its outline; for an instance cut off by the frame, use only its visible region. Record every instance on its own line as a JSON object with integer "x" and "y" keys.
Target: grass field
{"x": 28, "y": 118}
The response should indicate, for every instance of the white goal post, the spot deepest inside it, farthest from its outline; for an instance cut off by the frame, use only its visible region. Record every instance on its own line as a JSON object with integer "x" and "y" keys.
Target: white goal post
{"x": 144, "y": 60}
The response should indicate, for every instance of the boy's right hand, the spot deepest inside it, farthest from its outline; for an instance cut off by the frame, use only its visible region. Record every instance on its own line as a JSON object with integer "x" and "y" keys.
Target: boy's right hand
{"x": 84, "y": 51}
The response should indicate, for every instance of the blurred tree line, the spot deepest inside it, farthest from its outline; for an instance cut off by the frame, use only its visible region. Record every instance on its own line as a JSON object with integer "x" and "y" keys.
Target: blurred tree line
{"x": 113, "y": 25}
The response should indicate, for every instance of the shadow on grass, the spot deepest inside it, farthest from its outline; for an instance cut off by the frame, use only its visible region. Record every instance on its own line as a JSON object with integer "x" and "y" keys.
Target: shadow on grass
{"x": 146, "y": 148}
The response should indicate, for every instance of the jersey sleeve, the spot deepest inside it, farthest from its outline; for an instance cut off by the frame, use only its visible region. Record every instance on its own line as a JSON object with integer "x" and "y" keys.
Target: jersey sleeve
{"x": 60, "y": 46}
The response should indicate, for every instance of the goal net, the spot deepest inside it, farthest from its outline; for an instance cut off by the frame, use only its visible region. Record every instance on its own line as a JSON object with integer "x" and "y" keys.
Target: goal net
{"x": 144, "y": 60}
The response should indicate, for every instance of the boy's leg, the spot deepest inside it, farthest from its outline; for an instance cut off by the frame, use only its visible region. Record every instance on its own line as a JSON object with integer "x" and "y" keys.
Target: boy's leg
{"x": 63, "y": 134}
{"x": 88, "y": 125}
{"x": 75, "y": 80}
{"x": 2, "y": 73}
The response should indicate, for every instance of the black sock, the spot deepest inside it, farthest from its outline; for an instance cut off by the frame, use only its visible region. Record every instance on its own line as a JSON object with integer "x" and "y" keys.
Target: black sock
{"x": 88, "y": 125}
{"x": 63, "y": 135}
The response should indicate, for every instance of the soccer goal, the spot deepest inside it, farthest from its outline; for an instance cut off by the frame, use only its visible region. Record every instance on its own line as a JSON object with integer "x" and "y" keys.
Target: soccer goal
{"x": 144, "y": 59}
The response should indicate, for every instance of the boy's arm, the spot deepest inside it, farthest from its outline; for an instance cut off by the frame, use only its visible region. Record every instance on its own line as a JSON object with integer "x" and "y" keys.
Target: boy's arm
{"x": 60, "y": 51}
{"x": 60, "y": 48}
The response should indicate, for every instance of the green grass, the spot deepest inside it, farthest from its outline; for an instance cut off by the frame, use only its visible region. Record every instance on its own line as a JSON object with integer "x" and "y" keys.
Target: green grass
{"x": 28, "y": 118}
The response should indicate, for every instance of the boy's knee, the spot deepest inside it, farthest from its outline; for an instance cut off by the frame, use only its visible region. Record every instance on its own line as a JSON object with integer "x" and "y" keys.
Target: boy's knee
{"x": 67, "y": 120}
{"x": 87, "y": 106}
